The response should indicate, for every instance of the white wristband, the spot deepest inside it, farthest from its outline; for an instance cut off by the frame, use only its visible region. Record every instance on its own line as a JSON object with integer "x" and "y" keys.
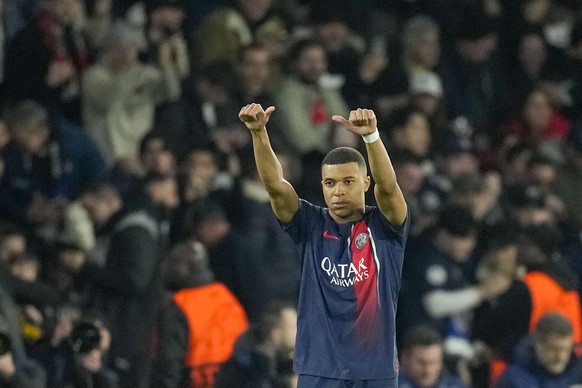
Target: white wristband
{"x": 372, "y": 137}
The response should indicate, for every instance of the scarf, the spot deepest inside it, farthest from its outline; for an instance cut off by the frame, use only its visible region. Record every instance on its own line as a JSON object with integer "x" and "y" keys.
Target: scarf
{"x": 63, "y": 43}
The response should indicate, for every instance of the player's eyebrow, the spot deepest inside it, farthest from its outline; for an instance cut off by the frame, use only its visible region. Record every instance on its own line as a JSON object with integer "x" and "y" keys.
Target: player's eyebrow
{"x": 349, "y": 177}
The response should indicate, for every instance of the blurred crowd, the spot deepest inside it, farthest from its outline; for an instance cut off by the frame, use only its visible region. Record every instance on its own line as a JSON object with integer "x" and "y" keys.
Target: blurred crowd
{"x": 137, "y": 244}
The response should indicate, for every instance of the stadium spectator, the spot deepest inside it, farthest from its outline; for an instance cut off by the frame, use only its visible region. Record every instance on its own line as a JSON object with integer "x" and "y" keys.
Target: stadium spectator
{"x": 129, "y": 292}
{"x": 538, "y": 121}
{"x": 446, "y": 295}
{"x": 263, "y": 354}
{"x": 165, "y": 22}
{"x": 120, "y": 93}
{"x": 46, "y": 59}
{"x": 538, "y": 287}
{"x": 473, "y": 82}
{"x": 16, "y": 368}
{"x": 48, "y": 163}
{"x": 422, "y": 361}
{"x": 226, "y": 30}
{"x": 545, "y": 358}
{"x": 201, "y": 323}
{"x": 421, "y": 47}
{"x": 306, "y": 103}
{"x": 207, "y": 103}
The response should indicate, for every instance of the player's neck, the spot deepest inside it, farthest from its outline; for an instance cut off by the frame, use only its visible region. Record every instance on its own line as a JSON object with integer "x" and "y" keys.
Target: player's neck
{"x": 355, "y": 217}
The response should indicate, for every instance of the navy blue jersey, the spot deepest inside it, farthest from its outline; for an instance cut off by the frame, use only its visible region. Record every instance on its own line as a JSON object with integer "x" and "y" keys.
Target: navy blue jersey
{"x": 350, "y": 278}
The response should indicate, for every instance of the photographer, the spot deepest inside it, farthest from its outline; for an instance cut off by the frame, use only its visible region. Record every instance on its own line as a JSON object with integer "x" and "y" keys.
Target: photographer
{"x": 87, "y": 346}
{"x": 16, "y": 369}
{"x": 77, "y": 362}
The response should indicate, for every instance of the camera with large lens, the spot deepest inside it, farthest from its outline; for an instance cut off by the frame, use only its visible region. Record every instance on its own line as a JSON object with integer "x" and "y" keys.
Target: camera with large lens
{"x": 85, "y": 337}
{"x": 5, "y": 344}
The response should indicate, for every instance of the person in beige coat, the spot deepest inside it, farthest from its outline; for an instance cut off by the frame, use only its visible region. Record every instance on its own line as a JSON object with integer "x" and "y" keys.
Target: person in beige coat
{"x": 120, "y": 93}
{"x": 305, "y": 100}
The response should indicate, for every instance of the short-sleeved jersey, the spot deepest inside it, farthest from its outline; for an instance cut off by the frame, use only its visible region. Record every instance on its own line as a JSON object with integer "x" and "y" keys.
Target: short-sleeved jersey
{"x": 350, "y": 279}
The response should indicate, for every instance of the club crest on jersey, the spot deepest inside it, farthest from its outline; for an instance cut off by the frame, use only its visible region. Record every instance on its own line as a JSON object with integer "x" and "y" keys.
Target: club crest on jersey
{"x": 361, "y": 240}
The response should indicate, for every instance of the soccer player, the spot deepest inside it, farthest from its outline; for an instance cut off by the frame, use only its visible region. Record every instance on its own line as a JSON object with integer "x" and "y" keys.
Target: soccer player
{"x": 351, "y": 257}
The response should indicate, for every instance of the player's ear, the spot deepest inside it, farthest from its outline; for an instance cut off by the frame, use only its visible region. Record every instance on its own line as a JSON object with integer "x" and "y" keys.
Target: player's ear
{"x": 367, "y": 182}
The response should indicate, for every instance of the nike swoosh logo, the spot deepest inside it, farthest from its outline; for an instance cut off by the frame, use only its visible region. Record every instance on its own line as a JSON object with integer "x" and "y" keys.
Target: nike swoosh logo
{"x": 327, "y": 235}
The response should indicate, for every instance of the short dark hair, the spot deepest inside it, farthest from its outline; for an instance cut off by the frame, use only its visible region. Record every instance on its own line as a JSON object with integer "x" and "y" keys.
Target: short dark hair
{"x": 25, "y": 115}
{"x": 421, "y": 335}
{"x": 101, "y": 190}
{"x": 552, "y": 324}
{"x": 458, "y": 221}
{"x": 148, "y": 138}
{"x": 9, "y": 229}
{"x": 343, "y": 155}
{"x": 219, "y": 73}
{"x": 400, "y": 118}
{"x": 197, "y": 149}
{"x": 403, "y": 157}
{"x": 187, "y": 265}
{"x": 300, "y": 46}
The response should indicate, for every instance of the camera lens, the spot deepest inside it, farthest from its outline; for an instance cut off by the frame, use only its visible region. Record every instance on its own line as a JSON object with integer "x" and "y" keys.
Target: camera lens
{"x": 85, "y": 337}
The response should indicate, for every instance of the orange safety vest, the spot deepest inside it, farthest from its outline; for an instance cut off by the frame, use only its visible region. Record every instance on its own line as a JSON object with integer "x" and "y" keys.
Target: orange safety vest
{"x": 215, "y": 321}
{"x": 546, "y": 296}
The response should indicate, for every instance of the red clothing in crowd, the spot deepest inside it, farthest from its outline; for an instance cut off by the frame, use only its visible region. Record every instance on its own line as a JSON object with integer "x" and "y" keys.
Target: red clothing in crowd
{"x": 558, "y": 128}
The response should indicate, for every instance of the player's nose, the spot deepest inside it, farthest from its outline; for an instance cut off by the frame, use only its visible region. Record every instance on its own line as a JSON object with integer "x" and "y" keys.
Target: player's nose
{"x": 339, "y": 189}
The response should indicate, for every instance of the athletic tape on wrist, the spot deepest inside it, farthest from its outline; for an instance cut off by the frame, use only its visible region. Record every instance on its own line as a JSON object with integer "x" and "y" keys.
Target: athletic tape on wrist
{"x": 372, "y": 137}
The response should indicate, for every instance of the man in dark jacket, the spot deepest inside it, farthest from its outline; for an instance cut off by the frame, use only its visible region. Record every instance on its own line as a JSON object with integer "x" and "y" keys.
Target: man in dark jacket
{"x": 422, "y": 361}
{"x": 199, "y": 325}
{"x": 130, "y": 291}
{"x": 47, "y": 163}
{"x": 267, "y": 266}
{"x": 440, "y": 259}
{"x": 546, "y": 358}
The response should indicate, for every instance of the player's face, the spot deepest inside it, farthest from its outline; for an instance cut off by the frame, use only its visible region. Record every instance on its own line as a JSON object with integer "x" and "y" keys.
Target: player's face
{"x": 424, "y": 364}
{"x": 344, "y": 186}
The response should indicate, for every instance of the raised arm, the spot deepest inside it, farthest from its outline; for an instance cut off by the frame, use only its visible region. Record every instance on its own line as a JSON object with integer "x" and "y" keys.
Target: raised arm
{"x": 284, "y": 199}
{"x": 387, "y": 192}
